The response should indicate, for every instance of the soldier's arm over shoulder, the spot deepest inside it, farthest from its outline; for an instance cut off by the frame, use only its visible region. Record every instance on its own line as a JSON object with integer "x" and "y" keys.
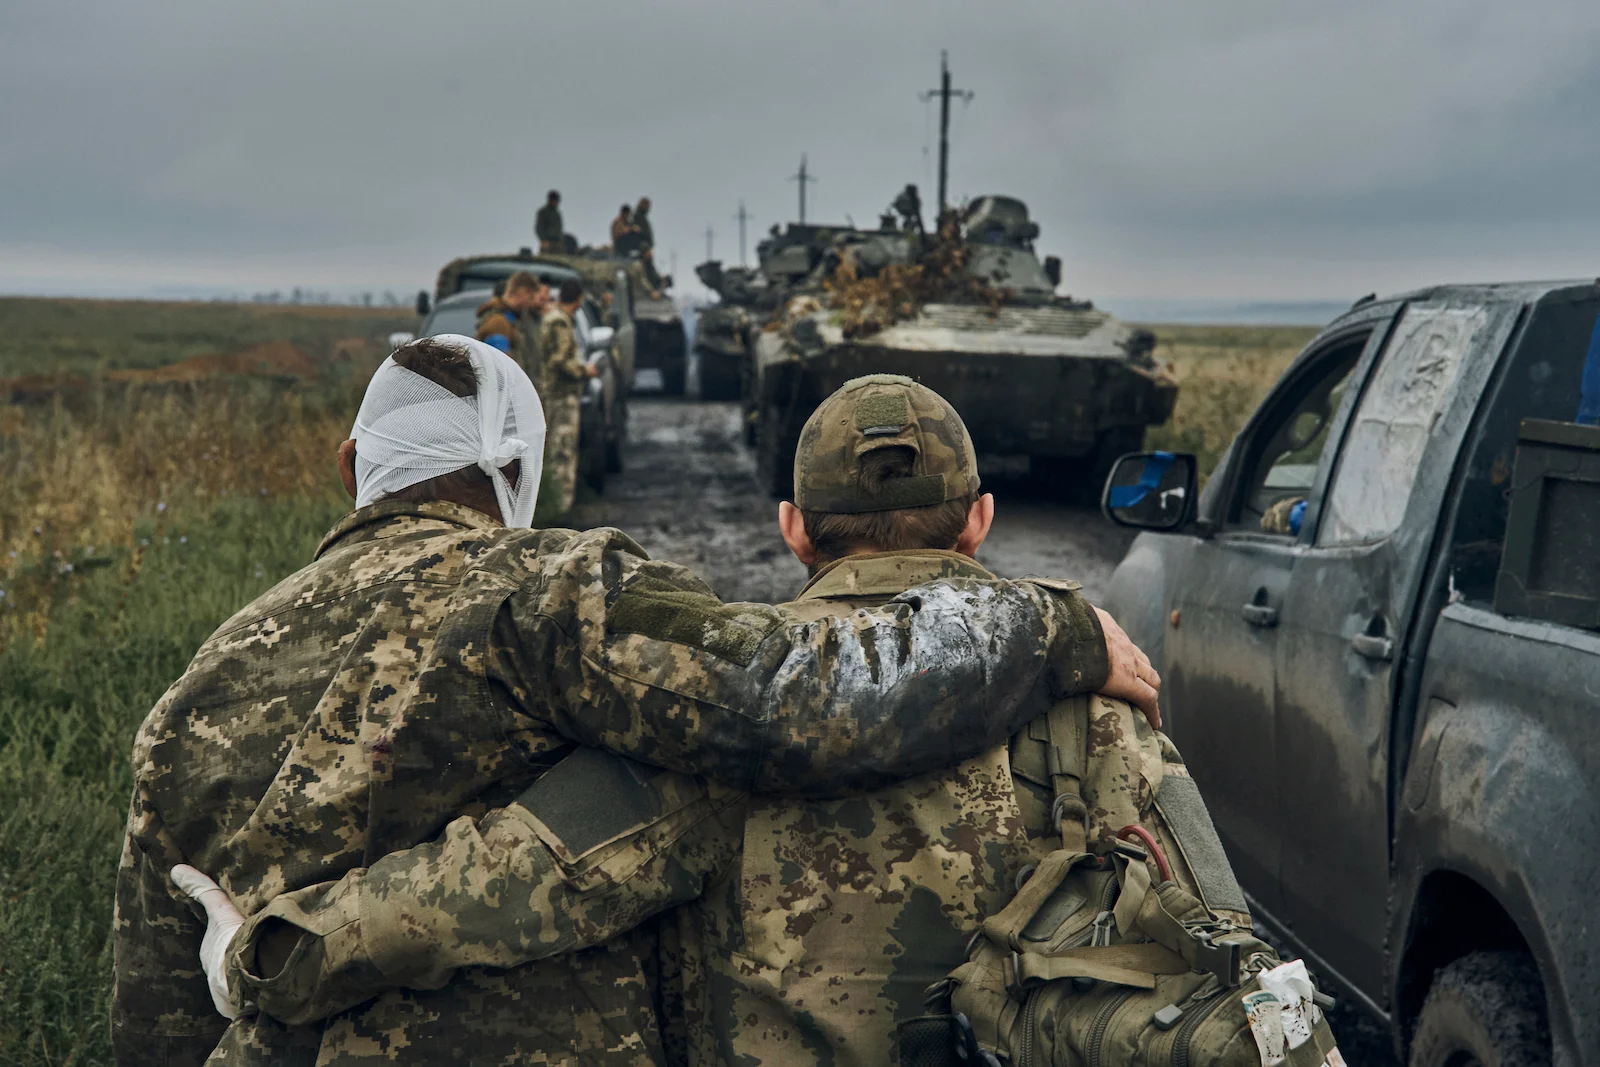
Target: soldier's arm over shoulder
{"x": 639, "y": 657}
{"x": 595, "y": 847}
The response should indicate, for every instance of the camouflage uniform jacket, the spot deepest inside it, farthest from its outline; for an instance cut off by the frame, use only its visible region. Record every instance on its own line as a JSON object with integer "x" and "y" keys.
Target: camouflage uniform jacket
{"x": 431, "y": 665}
{"x": 841, "y": 913}
{"x": 818, "y": 924}
{"x": 562, "y": 367}
{"x": 495, "y": 316}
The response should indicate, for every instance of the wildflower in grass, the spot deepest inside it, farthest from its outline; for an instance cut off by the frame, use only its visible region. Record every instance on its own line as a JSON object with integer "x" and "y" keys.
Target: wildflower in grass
{"x": 161, "y": 506}
{"x": 183, "y": 540}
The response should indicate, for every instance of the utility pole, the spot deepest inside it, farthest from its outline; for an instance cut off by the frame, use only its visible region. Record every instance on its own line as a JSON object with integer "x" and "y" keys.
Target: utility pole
{"x": 742, "y": 216}
{"x": 944, "y": 93}
{"x": 709, "y": 235}
{"x": 802, "y": 177}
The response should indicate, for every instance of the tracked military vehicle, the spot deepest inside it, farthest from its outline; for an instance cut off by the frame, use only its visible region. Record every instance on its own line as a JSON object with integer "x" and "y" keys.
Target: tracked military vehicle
{"x": 788, "y": 261}
{"x": 974, "y": 314}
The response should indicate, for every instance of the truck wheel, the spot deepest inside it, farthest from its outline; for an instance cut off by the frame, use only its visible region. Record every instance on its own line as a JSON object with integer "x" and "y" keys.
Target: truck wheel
{"x": 672, "y": 376}
{"x": 719, "y": 377}
{"x": 614, "y": 443}
{"x": 593, "y": 461}
{"x": 1484, "y": 1010}
{"x": 775, "y": 447}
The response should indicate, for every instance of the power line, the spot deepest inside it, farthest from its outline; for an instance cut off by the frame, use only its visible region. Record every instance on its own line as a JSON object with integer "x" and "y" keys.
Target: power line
{"x": 802, "y": 177}
{"x": 742, "y": 216}
{"x": 944, "y": 93}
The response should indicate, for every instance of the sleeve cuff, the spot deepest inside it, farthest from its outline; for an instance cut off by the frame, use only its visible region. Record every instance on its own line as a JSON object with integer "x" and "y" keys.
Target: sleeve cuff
{"x": 1078, "y": 659}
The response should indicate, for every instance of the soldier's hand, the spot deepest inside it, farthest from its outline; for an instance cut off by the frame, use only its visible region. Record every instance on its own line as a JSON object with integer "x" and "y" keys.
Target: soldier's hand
{"x": 1132, "y": 677}
{"x": 222, "y": 922}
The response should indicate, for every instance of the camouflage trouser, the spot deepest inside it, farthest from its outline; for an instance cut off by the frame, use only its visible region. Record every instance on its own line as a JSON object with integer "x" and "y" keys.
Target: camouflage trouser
{"x": 560, "y": 451}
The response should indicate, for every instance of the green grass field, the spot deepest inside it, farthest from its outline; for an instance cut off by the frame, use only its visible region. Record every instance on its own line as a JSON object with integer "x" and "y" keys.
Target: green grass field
{"x": 135, "y": 518}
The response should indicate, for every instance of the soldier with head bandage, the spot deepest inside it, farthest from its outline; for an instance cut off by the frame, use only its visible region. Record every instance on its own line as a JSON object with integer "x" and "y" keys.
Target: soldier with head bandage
{"x": 411, "y": 690}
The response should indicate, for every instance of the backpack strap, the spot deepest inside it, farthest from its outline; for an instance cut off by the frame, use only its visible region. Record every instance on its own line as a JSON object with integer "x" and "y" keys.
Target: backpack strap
{"x": 1066, "y": 738}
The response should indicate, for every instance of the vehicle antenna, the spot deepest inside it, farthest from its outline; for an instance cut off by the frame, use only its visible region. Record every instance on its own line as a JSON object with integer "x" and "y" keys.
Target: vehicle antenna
{"x": 944, "y": 93}
{"x": 802, "y": 177}
{"x": 742, "y": 216}
{"x": 709, "y": 235}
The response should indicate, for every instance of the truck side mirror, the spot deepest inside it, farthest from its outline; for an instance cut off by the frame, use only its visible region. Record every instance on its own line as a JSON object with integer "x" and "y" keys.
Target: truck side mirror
{"x": 423, "y": 304}
{"x": 1052, "y": 269}
{"x": 1151, "y": 490}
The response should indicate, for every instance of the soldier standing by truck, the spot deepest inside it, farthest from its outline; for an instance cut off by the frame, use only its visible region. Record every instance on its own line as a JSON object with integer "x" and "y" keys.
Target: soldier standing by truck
{"x": 547, "y": 225}
{"x": 503, "y": 322}
{"x": 564, "y": 371}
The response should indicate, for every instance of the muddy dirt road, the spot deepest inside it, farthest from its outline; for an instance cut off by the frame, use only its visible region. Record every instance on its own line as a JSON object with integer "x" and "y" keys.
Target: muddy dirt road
{"x": 689, "y": 494}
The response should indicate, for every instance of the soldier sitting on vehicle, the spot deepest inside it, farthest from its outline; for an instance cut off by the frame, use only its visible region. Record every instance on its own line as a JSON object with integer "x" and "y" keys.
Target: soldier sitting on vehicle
{"x": 547, "y": 225}
{"x": 622, "y": 226}
{"x": 822, "y": 921}
{"x": 641, "y": 223}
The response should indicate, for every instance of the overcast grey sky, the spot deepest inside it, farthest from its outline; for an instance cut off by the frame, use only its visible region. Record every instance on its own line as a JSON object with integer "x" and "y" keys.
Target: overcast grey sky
{"x": 1205, "y": 149}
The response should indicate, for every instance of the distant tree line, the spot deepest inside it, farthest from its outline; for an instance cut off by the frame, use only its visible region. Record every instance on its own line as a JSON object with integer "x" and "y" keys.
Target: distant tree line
{"x": 300, "y": 295}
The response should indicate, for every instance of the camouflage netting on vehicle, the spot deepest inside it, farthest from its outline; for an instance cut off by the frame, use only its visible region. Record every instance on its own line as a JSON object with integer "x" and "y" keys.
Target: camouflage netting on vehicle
{"x": 875, "y": 299}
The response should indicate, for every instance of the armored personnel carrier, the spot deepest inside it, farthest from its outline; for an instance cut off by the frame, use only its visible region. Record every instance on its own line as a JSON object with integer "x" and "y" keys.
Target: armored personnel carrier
{"x": 973, "y": 313}
{"x": 788, "y": 261}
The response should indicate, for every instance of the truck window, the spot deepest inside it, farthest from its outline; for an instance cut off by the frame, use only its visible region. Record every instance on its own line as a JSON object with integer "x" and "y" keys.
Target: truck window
{"x": 1288, "y": 449}
{"x": 1398, "y": 410}
{"x": 1542, "y": 379}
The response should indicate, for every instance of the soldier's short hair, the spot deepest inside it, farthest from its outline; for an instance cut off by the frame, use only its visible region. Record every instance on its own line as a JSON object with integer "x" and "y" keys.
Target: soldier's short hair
{"x": 553, "y": 194}
{"x": 835, "y": 534}
{"x": 571, "y": 291}
{"x": 523, "y": 280}
{"x": 450, "y": 366}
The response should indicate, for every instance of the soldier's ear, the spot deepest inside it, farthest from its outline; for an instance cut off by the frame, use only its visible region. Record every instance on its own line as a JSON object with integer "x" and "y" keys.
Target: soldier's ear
{"x": 792, "y": 524}
{"x": 347, "y": 467}
{"x": 979, "y": 518}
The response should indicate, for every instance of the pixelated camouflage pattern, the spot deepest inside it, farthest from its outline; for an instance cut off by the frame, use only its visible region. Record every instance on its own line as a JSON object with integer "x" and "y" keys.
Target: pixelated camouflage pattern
{"x": 562, "y": 369}
{"x": 431, "y": 664}
{"x": 881, "y": 411}
{"x": 559, "y": 482}
{"x": 841, "y": 913}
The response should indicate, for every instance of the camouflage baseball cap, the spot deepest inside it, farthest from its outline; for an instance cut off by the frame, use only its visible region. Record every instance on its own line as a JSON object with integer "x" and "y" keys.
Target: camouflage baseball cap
{"x": 882, "y": 411}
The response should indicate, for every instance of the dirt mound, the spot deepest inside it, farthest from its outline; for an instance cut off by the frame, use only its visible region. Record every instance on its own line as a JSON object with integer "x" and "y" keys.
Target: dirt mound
{"x": 281, "y": 360}
{"x": 273, "y": 359}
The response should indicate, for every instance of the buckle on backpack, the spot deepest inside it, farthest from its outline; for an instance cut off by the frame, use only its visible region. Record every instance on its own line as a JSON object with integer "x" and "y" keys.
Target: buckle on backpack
{"x": 1221, "y": 958}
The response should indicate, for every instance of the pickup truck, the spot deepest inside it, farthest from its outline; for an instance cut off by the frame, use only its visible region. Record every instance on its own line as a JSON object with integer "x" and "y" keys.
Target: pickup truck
{"x": 1406, "y": 777}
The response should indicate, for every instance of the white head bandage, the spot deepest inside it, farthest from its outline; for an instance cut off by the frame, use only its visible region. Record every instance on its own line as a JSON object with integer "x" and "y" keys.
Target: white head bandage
{"x": 410, "y": 429}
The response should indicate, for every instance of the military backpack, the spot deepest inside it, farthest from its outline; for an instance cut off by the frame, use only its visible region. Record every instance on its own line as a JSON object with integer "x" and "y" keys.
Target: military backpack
{"x": 1129, "y": 945}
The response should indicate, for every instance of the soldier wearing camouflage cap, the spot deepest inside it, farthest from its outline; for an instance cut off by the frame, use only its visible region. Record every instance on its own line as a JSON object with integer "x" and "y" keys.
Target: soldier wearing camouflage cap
{"x": 819, "y": 923}
{"x": 433, "y": 662}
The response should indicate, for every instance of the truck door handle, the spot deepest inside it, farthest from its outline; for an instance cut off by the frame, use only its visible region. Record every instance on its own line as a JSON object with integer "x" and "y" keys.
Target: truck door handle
{"x": 1259, "y": 615}
{"x": 1374, "y": 642}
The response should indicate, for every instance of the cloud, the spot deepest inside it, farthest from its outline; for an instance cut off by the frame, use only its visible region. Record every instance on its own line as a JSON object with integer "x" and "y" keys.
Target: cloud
{"x": 1247, "y": 149}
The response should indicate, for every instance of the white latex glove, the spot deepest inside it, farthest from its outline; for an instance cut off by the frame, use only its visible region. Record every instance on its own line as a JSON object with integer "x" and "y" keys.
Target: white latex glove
{"x": 222, "y": 923}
